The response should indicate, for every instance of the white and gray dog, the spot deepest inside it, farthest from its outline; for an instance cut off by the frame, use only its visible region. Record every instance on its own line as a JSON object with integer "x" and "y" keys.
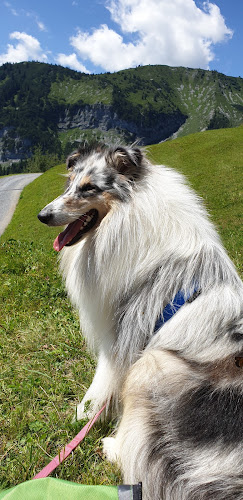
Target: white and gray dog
{"x": 161, "y": 305}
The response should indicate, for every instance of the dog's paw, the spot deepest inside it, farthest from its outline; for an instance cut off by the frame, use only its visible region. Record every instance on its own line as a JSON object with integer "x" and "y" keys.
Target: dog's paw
{"x": 110, "y": 449}
{"x": 88, "y": 410}
{"x": 84, "y": 410}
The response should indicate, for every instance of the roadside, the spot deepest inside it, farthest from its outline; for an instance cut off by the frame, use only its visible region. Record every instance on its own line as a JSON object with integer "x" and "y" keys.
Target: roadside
{"x": 10, "y": 190}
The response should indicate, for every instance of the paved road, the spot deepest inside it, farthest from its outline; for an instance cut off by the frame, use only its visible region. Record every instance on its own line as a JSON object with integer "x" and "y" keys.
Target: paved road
{"x": 10, "y": 189}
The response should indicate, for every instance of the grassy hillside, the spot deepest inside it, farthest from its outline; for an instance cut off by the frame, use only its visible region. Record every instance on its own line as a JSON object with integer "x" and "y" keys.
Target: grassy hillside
{"x": 71, "y": 91}
{"x": 206, "y": 97}
{"x": 37, "y": 101}
{"x": 213, "y": 163}
{"x": 45, "y": 366}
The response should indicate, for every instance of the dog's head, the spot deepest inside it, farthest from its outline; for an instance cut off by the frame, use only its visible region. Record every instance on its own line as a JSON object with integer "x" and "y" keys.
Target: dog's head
{"x": 97, "y": 180}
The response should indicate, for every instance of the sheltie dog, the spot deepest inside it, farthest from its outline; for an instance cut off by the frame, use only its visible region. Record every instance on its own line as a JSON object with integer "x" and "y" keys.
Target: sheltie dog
{"x": 137, "y": 240}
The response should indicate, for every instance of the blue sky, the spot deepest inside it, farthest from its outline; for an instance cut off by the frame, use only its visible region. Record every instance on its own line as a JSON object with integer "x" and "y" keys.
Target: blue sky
{"x": 96, "y": 36}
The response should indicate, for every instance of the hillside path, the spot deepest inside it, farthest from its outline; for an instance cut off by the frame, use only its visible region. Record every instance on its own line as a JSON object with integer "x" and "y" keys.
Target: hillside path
{"x": 10, "y": 189}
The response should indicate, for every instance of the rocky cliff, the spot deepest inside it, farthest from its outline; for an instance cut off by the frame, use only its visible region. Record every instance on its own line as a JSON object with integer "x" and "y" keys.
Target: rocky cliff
{"x": 104, "y": 117}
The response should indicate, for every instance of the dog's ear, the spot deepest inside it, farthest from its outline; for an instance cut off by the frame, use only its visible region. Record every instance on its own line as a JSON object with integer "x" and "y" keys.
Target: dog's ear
{"x": 127, "y": 161}
{"x": 72, "y": 159}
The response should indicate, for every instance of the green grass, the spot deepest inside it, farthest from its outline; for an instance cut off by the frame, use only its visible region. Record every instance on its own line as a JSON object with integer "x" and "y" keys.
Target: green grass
{"x": 71, "y": 91}
{"x": 108, "y": 137}
{"x": 46, "y": 368}
{"x": 213, "y": 164}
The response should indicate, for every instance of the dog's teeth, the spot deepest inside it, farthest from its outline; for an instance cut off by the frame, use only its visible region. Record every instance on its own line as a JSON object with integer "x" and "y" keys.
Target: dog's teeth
{"x": 86, "y": 219}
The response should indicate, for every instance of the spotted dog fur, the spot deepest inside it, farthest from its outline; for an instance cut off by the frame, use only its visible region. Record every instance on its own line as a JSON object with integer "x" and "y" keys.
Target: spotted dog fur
{"x": 137, "y": 234}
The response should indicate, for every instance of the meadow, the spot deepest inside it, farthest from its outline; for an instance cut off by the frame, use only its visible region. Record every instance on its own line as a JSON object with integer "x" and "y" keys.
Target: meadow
{"x": 45, "y": 366}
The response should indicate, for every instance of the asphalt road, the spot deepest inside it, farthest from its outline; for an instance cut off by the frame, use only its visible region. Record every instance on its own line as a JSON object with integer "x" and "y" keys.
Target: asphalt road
{"x": 10, "y": 189}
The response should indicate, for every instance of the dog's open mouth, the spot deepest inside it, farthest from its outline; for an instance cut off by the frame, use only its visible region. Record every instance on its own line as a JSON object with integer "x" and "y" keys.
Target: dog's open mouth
{"x": 74, "y": 231}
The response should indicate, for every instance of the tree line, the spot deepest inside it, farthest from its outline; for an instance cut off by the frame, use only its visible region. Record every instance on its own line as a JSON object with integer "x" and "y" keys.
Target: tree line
{"x": 39, "y": 162}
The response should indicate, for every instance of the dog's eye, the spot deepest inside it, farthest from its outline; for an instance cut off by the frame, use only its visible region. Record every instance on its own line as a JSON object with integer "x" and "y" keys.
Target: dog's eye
{"x": 89, "y": 190}
{"x": 88, "y": 187}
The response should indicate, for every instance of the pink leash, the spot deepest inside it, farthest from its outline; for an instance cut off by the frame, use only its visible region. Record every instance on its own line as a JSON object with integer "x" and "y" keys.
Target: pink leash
{"x": 65, "y": 452}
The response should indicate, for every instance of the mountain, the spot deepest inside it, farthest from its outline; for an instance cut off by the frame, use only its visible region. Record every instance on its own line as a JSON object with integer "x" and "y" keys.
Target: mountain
{"x": 54, "y": 107}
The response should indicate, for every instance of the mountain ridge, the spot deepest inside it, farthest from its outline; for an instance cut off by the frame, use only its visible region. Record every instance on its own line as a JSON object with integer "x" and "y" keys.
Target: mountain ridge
{"x": 54, "y": 107}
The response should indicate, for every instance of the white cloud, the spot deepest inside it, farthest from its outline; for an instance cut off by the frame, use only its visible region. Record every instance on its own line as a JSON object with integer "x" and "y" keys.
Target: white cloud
{"x": 72, "y": 62}
{"x": 41, "y": 25}
{"x": 33, "y": 15}
{"x": 173, "y": 32}
{"x": 12, "y": 10}
{"x": 26, "y": 48}
{"x": 105, "y": 48}
{"x": 30, "y": 14}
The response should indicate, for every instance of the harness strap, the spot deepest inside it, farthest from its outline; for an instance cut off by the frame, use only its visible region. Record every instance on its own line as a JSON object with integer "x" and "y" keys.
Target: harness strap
{"x": 172, "y": 307}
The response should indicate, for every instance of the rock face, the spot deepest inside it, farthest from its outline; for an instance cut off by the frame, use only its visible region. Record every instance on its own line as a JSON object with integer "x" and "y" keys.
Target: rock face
{"x": 149, "y": 130}
{"x": 154, "y": 129}
{"x": 13, "y": 147}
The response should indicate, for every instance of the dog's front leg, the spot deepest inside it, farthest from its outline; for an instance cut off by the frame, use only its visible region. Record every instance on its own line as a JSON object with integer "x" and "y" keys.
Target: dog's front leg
{"x": 105, "y": 385}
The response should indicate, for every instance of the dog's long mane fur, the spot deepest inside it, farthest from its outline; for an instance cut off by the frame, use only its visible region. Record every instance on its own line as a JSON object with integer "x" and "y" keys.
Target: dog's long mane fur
{"x": 142, "y": 253}
{"x": 182, "y": 424}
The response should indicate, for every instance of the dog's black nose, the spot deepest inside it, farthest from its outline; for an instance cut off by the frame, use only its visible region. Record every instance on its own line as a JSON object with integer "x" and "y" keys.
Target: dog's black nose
{"x": 44, "y": 217}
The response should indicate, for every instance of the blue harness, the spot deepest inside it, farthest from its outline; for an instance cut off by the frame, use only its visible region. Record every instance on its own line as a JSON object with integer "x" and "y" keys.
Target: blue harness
{"x": 179, "y": 300}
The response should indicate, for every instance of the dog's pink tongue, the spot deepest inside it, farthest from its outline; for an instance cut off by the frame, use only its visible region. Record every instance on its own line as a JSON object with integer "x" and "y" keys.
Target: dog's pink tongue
{"x": 67, "y": 235}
